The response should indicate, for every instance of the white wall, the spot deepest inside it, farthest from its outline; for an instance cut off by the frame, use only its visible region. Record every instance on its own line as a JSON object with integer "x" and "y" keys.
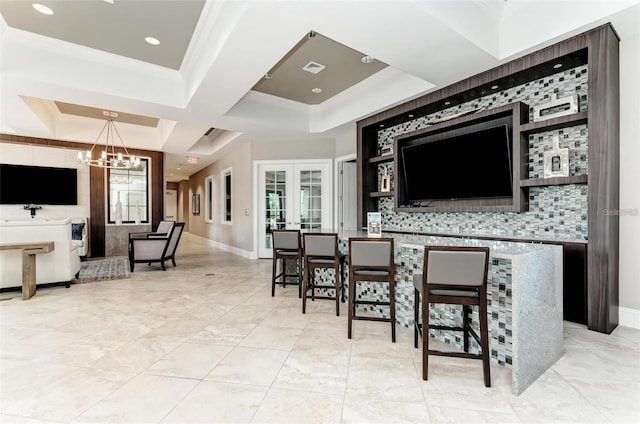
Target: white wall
{"x": 24, "y": 154}
{"x": 347, "y": 141}
{"x": 290, "y": 150}
{"x": 238, "y": 236}
{"x": 630, "y": 178}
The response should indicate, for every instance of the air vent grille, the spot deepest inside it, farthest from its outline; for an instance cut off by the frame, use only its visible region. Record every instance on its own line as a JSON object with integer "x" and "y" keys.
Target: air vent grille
{"x": 313, "y": 67}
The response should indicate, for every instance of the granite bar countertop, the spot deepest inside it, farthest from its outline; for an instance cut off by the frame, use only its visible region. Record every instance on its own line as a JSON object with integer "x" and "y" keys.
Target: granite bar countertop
{"x": 498, "y": 248}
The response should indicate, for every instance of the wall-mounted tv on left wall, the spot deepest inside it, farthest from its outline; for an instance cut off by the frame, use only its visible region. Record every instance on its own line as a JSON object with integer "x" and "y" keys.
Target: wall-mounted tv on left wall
{"x": 38, "y": 185}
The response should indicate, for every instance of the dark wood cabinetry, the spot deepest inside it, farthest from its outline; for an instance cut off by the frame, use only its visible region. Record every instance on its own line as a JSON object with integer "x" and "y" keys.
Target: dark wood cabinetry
{"x": 574, "y": 287}
{"x": 595, "y": 262}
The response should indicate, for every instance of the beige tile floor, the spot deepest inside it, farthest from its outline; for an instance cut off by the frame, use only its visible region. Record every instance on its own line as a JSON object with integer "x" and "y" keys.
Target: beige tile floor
{"x": 205, "y": 342}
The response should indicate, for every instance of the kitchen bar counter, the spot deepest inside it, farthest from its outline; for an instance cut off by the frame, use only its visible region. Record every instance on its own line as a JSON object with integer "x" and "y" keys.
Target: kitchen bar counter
{"x": 524, "y": 305}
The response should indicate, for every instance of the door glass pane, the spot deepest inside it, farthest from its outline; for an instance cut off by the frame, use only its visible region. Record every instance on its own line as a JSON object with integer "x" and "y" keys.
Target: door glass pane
{"x": 275, "y": 203}
{"x": 310, "y": 200}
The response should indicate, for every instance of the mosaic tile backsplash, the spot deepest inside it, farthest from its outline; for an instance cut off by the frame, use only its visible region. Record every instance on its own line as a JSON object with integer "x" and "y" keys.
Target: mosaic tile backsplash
{"x": 554, "y": 212}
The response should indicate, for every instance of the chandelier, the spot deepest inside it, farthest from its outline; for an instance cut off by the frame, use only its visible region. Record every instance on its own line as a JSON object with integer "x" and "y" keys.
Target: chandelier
{"x": 109, "y": 158}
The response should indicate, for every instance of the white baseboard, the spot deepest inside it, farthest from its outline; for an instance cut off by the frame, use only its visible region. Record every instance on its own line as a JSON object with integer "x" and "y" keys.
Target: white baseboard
{"x": 629, "y": 317}
{"x": 231, "y": 249}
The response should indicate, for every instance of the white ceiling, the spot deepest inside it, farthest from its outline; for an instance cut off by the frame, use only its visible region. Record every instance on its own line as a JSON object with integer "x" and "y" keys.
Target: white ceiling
{"x": 427, "y": 44}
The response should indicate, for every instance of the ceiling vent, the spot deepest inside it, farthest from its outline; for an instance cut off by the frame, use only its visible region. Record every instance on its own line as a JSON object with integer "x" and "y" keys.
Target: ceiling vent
{"x": 313, "y": 67}
{"x": 209, "y": 131}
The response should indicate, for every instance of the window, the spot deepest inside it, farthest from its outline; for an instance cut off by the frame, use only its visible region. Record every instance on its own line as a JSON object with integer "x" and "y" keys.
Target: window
{"x": 226, "y": 196}
{"x": 208, "y": 202}
{"x": 128, "y": 195}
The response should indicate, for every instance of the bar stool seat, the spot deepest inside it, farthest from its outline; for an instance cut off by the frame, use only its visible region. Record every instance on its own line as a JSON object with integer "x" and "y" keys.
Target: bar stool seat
{"x": 371, "y": 260}
{"x": 453, "y": 276}
{"x": 286, "y": 247}
{"x": 321, "y": 252}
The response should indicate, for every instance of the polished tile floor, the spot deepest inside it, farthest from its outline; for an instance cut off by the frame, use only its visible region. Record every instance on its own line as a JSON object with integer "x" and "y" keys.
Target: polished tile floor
{"x": 205, "y": 342}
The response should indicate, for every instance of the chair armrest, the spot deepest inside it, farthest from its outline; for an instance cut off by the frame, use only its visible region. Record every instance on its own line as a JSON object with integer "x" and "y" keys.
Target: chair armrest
{"x": 147, "y": 235}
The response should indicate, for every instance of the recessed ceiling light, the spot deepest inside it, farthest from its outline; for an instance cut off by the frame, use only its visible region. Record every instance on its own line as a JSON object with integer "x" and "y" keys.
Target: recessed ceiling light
{"x": 447, "y": 103}
{"x": 267, "y": 76}
{"x": 151, "y": 40}
{"x": 493, "y": 87}
{"x": 316, "y": 90}
{"x": 411, "y": 115}
{"x": 381, "y": 125}
{"x": 557, "y": 65}
{"x": 367, "y": 59}
{"x": 42, "y": 9}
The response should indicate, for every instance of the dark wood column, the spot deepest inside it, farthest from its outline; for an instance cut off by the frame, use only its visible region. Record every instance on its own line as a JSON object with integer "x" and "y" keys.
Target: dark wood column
{"x": 604, "y": 175}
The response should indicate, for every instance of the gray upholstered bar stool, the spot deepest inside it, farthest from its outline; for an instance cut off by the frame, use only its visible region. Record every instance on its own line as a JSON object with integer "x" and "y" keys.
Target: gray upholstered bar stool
{"x": 321, "y": 252}
{"x": 286, "y": 247}
{"x": 371, "y": 260}
{"x": 454, "y": 276}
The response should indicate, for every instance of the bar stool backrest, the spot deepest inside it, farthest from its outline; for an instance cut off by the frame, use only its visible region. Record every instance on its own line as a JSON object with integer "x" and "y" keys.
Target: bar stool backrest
{"x": 371, "y": 253}
{"x": 286, "y": 239}
{"x": 321, "y": 245}
{"x": 456, "y": 267}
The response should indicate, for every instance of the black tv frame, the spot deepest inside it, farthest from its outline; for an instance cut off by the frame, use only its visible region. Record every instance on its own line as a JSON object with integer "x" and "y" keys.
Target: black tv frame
{"x": 441, "y": 171}
{"x": 38, "y": 185}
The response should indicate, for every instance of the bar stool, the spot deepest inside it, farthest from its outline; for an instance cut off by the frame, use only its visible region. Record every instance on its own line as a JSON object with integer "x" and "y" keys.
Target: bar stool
{"x": 321, "y": 252}
{"x": 286, "y": 247}
{"x": 371, "y": 260}
{"x": 454, "y": 276}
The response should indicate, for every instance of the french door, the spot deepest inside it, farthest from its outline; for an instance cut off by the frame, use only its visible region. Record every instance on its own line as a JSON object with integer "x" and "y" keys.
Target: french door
{"x": 292, "y": 196}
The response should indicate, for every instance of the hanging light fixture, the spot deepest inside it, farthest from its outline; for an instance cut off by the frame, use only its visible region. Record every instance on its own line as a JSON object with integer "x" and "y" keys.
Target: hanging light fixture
{"x": 109, "y": 158}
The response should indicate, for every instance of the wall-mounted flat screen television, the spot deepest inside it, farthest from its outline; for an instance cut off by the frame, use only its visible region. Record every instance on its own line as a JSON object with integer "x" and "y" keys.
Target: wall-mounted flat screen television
{"x": 468, "y": 165}
{"x": 38, "y": 185}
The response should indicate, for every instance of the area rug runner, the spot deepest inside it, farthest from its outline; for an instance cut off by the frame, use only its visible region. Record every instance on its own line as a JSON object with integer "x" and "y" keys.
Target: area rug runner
{"x": 103, "y": 270}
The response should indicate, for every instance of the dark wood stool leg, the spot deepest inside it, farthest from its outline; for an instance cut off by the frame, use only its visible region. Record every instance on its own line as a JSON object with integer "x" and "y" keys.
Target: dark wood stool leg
{"x": 312, "y": 278}
{"x": 305, "y": 281}
{"x": 300, "y": 273}
{"x": 466, "y": 323}
{"x": 425, "y": 336}
{"x": 337, "y": 283}
{"x": 352, "y": 306}
{"x": 342, "y": 289}
{"x": 392, "y": 306}
{"x": 416, "y": 310}
{"x": 273, "y": 274}
{"x": 484, "y": 337}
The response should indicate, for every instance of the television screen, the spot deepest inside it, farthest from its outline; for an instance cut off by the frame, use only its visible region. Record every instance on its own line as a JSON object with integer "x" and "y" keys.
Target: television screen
{"x": 473, "y": 165}
{"x": 40, "y": 185}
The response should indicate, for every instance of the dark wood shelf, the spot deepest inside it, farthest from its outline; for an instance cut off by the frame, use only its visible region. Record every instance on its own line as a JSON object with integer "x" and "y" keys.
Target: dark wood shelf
{"x": 381, "y": 193}
{"x": 541, "y": 182}
{"x": 383, "y": 158}
{"x": 555, "y": 123}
